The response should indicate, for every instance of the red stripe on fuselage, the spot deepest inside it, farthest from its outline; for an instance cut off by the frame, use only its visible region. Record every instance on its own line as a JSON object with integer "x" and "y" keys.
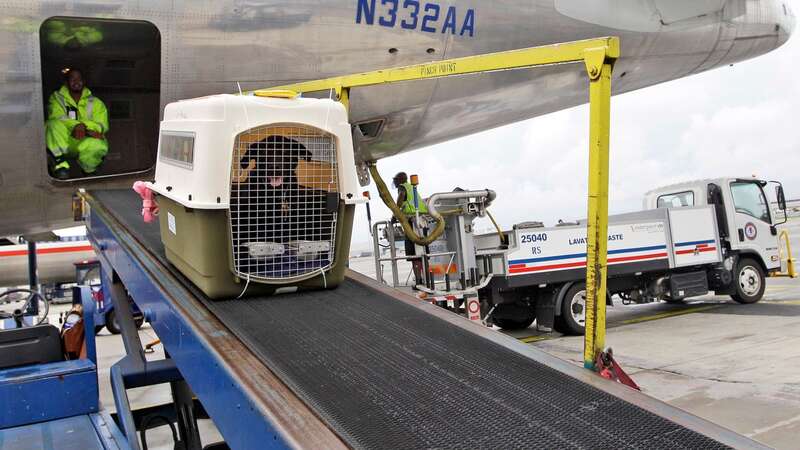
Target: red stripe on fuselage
{"x": 50, "y": 250}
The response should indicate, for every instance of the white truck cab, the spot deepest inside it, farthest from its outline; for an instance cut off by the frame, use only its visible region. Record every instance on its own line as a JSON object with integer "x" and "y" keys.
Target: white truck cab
{"x": 747, "y": 228}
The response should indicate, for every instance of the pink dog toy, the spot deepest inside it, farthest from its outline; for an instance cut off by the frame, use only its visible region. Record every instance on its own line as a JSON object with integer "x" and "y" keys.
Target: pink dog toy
{"x": 149, "y": 205}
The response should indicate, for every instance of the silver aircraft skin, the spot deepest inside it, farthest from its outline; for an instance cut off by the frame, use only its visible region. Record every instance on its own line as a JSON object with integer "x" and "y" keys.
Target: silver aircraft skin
{"x": 209, "y": 46}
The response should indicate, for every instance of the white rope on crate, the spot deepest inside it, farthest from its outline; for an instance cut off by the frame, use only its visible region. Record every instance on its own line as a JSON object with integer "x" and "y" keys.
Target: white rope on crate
{"x": 245, "y": 288}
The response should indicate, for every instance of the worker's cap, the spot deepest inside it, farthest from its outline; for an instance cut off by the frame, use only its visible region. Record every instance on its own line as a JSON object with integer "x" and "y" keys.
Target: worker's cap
{"x": 68, "y": 70}
{"x": 400, "y": 176}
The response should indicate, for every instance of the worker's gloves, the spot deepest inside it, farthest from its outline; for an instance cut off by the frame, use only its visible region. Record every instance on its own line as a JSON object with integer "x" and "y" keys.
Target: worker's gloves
{"x": 79, "y": 132}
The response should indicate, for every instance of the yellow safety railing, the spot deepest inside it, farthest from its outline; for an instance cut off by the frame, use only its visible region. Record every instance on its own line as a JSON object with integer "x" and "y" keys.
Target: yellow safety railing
{"x": 598, "y": 56}
{"x": 791, "y": 272}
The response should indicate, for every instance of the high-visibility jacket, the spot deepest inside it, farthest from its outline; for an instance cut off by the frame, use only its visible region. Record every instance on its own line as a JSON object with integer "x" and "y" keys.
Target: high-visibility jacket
{"x": 89, "y": 110}
{"x": 63, "y": 115}
{"x": 408, "y": 206}
{"x": 62, "y": 33}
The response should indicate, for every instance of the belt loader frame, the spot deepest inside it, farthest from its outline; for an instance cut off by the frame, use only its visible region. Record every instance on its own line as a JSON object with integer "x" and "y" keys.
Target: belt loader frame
{"x": 598, "y": 56}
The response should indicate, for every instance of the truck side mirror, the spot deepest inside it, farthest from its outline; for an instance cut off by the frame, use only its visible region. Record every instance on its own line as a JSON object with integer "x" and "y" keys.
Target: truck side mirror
{"x": 781, "y": 197}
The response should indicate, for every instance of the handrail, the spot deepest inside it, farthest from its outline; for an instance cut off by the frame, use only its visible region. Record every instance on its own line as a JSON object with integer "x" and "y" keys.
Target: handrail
{"x": 593, "y": 52}
{"x": 791, "y": 271}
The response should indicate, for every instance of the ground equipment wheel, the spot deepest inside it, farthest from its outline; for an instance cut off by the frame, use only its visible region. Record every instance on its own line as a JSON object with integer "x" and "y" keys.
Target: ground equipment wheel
{"x": 113, "y": 327}
{"x": 573, "y": 311}
{"x": 750, "y": 281}
{"x": 111, "y": 322}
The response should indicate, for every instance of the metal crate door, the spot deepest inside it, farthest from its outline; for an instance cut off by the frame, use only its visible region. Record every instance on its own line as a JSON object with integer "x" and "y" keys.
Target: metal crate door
{"x": 283, "y": 214}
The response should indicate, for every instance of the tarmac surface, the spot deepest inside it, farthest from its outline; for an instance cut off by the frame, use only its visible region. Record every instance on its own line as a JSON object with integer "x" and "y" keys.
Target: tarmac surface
{"x": 735, "y": 365}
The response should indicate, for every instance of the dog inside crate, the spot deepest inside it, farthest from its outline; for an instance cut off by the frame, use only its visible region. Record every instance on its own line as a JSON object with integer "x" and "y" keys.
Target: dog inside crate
{"x": 282, "y": 224}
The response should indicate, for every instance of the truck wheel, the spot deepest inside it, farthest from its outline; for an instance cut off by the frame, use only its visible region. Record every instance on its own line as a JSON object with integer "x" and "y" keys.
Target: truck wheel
{"x": 750, "y": 281}
{"x": 513, "y": 316}
{"x": 573, "y": 311}
{"x": 514, "y": 324}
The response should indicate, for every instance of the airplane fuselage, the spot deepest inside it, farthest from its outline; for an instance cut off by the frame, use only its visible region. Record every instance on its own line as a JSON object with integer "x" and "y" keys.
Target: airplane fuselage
{"x": 210, "y": 47}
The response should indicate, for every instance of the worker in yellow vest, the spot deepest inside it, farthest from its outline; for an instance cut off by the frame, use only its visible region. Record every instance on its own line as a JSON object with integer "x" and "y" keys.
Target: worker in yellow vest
{"x": 77, "y": 123}
{"x": 411, "y": 203}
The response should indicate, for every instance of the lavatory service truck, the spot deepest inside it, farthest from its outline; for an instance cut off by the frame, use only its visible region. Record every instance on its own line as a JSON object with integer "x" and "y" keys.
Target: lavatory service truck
{"x": 690, "y": 239}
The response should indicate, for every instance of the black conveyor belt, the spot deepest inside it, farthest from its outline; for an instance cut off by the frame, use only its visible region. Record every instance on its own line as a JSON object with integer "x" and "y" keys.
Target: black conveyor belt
{"x": 385, "y": 374}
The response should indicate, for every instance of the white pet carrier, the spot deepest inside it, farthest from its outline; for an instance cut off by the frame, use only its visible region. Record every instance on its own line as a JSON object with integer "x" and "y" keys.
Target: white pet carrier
{"x": 277, "y": 174}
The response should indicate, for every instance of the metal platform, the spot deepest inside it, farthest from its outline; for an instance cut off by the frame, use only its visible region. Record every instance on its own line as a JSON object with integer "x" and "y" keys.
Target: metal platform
{"x": 85, "y": 432}
{"x": 380, "y": 368}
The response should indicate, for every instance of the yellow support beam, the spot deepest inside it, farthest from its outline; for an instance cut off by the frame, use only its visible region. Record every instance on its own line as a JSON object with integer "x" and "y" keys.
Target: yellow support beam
{"x": 591, "y": 51}
{"x": 597, "y": 224}
{"x": 598, "y": 56}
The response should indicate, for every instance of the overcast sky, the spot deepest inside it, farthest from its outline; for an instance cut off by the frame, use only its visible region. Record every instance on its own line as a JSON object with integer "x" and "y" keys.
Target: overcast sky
{"x": 732, "y": 121}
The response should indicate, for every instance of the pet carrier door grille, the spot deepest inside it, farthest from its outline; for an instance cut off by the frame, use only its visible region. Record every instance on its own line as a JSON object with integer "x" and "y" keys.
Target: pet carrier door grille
{"x": 284, "y": 195}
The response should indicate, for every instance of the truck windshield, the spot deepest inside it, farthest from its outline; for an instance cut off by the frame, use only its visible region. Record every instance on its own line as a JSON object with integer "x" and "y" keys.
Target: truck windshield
{"x": 748, "y": 198}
